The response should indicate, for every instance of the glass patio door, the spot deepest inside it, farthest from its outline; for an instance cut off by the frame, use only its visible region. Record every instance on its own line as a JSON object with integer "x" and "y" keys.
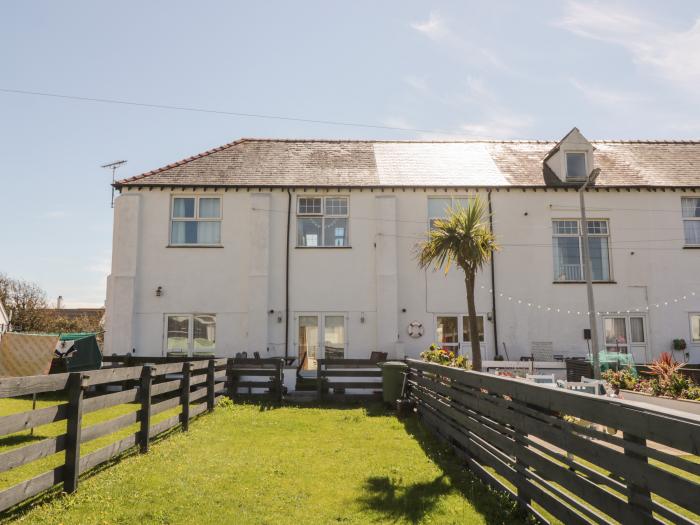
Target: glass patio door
{"x": 320, "y": 336}
{"x": 626, "y": 334}
{"x": 452, "y": 333}
{"x": 308, "y": 341}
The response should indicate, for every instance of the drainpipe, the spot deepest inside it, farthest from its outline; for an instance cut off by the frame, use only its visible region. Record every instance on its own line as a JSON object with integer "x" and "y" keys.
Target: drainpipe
{"x": 286, "y": 277}
{"x": 493, "y": 281}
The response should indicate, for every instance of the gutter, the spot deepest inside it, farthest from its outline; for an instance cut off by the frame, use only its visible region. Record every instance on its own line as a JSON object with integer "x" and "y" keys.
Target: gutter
{"x": 493, "y": 280}
{"x": 286, "y": 277}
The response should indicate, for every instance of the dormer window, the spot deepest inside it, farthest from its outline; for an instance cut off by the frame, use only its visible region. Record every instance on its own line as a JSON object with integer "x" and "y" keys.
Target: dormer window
{"x": 576, "y": 166}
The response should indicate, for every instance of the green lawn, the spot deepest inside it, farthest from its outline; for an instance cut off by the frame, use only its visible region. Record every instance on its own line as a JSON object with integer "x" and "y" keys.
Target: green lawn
{"x": 247, "y": 465}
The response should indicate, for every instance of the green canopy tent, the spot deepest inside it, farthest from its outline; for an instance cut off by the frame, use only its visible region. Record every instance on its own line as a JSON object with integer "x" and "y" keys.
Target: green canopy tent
{"x": 83, "y": 354}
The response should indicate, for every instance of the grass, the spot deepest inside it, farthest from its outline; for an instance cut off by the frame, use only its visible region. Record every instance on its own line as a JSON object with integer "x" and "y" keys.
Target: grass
{"x": 246, "y": 464}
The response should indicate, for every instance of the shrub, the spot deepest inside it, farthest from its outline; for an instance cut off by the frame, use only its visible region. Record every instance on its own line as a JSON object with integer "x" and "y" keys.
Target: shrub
{"x": 442, "y": 356}
{"x": 621, "y": 379}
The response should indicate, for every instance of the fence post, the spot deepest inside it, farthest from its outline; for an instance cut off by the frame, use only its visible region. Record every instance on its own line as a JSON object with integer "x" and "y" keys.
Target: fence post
{"x": 319, "y": 379}
{"x": 638, "y": 497}
{"x": 280, "y": 380}
{"x": 230, "y": 378}
{"x": 211, "y": 371}
{"x": 185, "y": 395}
{"x": 77, "y": 383}
{"x": 147, "y": 374}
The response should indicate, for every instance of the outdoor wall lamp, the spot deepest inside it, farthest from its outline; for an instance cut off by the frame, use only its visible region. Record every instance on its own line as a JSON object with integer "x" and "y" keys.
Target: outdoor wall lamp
{"x": 159, "y": 291}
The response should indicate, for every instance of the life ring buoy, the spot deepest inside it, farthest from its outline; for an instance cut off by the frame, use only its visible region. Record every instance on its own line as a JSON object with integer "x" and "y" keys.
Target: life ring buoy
{"x": 415, "y": 329}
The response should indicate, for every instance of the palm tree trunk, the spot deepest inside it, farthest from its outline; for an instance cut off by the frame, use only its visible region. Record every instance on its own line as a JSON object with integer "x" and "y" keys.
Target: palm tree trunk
{"x": 473, "y": 327}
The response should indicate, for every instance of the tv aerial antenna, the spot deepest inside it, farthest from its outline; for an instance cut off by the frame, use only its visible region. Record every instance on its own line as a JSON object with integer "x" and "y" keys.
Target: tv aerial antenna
{"x": 113, "y": 166}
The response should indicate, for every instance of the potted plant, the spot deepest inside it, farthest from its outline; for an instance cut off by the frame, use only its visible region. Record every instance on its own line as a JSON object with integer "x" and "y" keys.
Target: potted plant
{"x": 679, "y": 344}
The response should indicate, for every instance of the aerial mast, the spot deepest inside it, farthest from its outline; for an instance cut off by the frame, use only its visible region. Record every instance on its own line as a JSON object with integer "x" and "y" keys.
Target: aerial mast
{"x": 113, "y": 166}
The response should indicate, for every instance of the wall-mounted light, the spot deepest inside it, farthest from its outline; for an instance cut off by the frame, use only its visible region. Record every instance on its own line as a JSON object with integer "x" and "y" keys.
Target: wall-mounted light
{"x": 279, "y": 318}
{"x": 489, "y": 316}
{"x": 362, "y": 317}
{"x": 159, "y": 291}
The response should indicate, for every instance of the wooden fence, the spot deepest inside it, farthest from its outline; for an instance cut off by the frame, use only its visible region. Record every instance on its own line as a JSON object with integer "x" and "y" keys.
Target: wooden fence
{"x": 605, "y": 467}
{"x": 247, "y": 377}
{"x": 337, "y": 376}
{"x": 195, "y": 386}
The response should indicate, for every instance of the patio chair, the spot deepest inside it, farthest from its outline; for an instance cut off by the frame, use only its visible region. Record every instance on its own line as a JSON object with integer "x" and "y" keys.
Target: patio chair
{"x": 378, "y": 357}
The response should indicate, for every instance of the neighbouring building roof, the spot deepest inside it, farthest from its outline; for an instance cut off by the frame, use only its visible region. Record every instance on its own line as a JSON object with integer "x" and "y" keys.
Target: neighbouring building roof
{"x": 347, "y": 163}
{"x": 76, "y": 313}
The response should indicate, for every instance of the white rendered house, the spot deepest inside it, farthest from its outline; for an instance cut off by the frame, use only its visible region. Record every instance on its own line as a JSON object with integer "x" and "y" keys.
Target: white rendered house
{"x": 292, "y": 247}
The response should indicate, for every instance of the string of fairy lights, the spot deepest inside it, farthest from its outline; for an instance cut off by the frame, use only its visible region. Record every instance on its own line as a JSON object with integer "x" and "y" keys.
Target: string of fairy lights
{"x": 555, "y": 309}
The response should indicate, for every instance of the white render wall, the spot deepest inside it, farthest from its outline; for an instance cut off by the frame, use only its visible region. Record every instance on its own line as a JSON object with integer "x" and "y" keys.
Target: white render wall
{"x": 377, "y": 278}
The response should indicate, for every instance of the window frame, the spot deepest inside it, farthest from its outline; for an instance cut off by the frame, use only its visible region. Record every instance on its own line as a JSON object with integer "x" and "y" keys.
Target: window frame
{"x": 323, "y": 216}
{"x": 452, "y": 198}
{"x": 196, "y": 218}
{"x": 461, "y": 343}
{"x": 190, "y": 330}
{"x": 579, "y": 234}
{"x": 692, "y": 315}
{"x": 629, "y": 344}
{"x": 567, "y": 178}
{"x": 685, "y": 219}
{"x": 321, "y": 328}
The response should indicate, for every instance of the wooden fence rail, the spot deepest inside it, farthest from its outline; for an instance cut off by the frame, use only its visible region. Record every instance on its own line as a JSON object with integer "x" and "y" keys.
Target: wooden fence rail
{"x": 156, "y": 388}
{"x": 255, "y": 378}
{"x": 582, "y": 458}
{"x": 337, "y": 376}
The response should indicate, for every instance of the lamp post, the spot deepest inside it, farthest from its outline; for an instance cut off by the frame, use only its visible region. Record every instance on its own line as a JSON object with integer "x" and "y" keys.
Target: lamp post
{"x": 588, "y": 275}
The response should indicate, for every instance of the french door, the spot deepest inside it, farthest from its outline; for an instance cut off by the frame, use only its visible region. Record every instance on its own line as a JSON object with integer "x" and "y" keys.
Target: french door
{"x": 320, "y": 335}
{"x": 452, "y": 333}
{"x": 626, "y": 334}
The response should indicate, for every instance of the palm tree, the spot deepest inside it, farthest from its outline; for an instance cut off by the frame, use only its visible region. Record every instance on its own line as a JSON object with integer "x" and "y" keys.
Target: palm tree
{"x": 463, "y": 238}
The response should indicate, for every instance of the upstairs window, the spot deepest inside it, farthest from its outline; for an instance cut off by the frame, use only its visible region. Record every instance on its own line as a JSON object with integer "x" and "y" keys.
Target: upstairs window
{"x": 691, "y": 220}
{"x": 195, "y": 221}
{"x": 568, "y": 252}
{"x": 576, "y": 167}
{"x": 439, "y": 206}
{"x": 322, "y": 222}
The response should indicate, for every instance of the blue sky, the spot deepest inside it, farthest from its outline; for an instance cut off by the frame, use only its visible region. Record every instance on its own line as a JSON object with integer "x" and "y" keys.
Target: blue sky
{"x": 461, "y": 69}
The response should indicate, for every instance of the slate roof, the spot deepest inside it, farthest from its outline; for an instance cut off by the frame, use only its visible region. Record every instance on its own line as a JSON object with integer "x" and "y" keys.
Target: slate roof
{"x": 347, "y": 163}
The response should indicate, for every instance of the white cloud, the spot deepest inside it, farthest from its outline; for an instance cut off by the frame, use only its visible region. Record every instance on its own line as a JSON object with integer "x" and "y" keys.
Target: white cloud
{"x": 498, "y": 126}
{"x": 608, "y": 97}
{"x": 674, "y": 55}
{"x": 434, "y": 27}
{"x": 417, "y": 83}
{"x": 437, "y": 29}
